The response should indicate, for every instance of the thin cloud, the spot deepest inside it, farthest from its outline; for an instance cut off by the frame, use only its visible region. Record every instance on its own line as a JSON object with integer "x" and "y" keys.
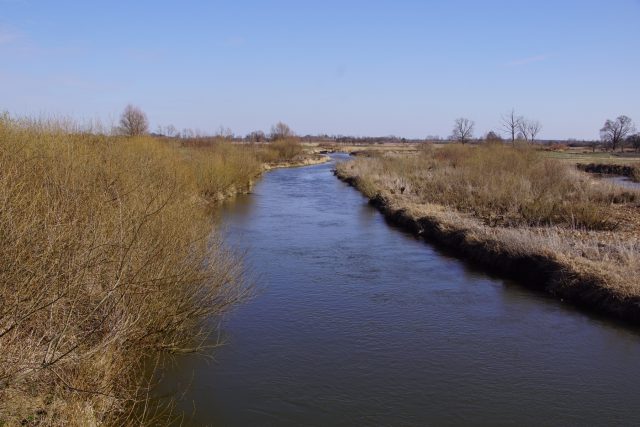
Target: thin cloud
{"x": 528, "y": 60}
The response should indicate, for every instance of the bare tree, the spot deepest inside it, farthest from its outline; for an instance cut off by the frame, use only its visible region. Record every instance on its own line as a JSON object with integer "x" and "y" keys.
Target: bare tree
{"x": 615, "y": 131}
{"x": 133, "y": 121}
{"x": 224, "y": 133}
{"x": 533, "y": 127}
{"x": 594, "y": 144}
{"x": 510, "y": 124}
{"x": 280, "y": 131}
{"x": 463, "y": 129}
{"x": 634, "y": 141}
{"x": 256, "y": 136}
{"x": 171, "y": 131}
{"x": 529, "y": 128}
{"x": 523, "y": 131}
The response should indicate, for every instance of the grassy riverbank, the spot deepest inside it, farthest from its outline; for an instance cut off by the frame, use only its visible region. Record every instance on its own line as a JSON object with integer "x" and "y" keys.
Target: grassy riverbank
{"x": 108, "y": 262}
{"x": 518, "y": 212}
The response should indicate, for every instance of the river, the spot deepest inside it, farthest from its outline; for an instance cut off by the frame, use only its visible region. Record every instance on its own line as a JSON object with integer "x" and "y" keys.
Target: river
{"x": 355, "y": 322}
{"x": 622, "y": 181}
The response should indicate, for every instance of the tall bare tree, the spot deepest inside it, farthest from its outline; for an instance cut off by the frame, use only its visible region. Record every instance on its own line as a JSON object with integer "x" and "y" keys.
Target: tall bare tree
{"x": 280, "y": 131}
{"x": 510, "y": 124}
{"x": 529, "y": 128}
{"x": 133, "y": 121}
{"x": 615, "y": 131}
{"x": 463, "y": 129}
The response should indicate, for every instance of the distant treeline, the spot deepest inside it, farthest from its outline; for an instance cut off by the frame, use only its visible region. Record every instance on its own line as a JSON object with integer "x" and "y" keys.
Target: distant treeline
{"x": 618, "y": 133}
{"x": 355, "y": 140}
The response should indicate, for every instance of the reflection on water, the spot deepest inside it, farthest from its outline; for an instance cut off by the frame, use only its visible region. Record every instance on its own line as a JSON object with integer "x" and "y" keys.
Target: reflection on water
{"x": 358, "y": 323}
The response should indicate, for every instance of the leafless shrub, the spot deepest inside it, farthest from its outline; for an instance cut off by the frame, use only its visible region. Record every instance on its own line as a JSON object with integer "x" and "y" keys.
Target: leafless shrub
{"x": 281, "y": 131}
{"x": 108, "y": 261}
{"x": 133, "y": 121}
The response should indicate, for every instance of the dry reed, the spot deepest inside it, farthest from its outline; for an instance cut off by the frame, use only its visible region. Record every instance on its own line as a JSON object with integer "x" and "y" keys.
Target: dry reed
{"x": 501, "y": 185}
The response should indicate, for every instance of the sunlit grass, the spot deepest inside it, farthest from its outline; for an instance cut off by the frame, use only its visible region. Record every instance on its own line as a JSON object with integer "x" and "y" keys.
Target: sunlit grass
{"x": 109, "y": 259}
{"x": 502, "y": 185}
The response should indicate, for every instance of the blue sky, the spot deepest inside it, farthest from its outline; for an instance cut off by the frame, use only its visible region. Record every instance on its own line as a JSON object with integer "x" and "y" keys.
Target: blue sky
{"x": 407, "y": 68}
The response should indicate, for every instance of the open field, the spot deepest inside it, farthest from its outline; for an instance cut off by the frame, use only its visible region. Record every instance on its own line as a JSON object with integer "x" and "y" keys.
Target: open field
{"x": 110, "y": 259}
{"x": 565, "y": 153}
{"x": 585, "y": 155}
{"x": 518, "y": 211}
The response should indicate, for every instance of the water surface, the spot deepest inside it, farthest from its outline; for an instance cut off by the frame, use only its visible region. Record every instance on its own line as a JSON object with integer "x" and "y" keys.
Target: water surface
{"x": 358, "y": 323}
{"x": 622, "y": 181}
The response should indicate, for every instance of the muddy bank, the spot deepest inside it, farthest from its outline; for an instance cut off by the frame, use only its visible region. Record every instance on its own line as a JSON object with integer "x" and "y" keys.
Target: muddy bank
{"x": 579, "y": 284}
{"x": 610, "y": 169}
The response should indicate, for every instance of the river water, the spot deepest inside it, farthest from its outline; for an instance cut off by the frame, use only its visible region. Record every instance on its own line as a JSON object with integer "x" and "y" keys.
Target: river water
{"x": 622, "y": 181}
{"x": 355, "y": 322}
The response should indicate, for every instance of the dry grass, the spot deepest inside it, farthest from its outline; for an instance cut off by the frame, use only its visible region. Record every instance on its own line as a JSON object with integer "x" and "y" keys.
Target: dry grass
{"x": 281, "y": 151}
{"x": 235, "y": 163}
{"x": 221, "y": 169}
{"x": 514, "y": 201}
{"x": 108, "y": 261}
{"x": 501, "y": 185}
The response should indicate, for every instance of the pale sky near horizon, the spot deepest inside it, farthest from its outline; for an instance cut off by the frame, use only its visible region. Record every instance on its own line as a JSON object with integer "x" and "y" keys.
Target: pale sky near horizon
{"x": 405, "y": 68}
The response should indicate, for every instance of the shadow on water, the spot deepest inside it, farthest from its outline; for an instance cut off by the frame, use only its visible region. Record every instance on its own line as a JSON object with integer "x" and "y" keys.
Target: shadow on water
{"x": 358, "y": 323}
{"x": 476, "y": 269}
